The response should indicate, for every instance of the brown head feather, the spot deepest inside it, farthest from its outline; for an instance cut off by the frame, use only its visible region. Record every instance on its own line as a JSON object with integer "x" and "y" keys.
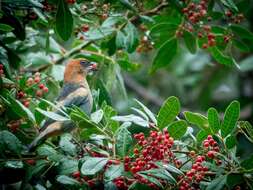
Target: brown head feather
{"x": 74, "y": 73}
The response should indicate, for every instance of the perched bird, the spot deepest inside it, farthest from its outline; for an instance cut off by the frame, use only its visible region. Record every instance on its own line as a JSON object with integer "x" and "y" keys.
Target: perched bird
{"x": 75, "y": 91}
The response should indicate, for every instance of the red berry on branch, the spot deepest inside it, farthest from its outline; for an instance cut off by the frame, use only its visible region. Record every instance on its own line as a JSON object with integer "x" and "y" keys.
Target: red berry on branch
{"x": 31, "y": 162}
{"x": 85, "y": 28}
{"x": 41, "y": 86}
{"x": 39, "y": 93}
{"x": 45, "y": 89}
{"x": 37, "y": 79}
{"x": 76, "y": 174}
{"x": 26, "y": 103}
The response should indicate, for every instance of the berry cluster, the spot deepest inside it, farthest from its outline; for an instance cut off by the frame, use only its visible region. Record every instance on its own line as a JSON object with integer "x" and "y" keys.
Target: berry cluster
{"x": 83, "y": 179}
{"x": 32, "y": 82}
{"x": 233, "y": 17}
{"x": 196, "y": 12}
{"x": 212, "y": 148}
{"x": 1, "y": 70}
{"x": 145, "y": 45}
{"x": 194, "y": 176}
{"x": 156, "y": 147}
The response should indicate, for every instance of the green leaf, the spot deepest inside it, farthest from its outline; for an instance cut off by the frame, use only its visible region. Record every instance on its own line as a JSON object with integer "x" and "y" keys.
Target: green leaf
{"x": 123, "y": 141}
{"x": 66, "y": 144}
{"x": 133, "y": 119}
{"x": 201, "y": 135}
{"x": 147, "y": 111}
{"x": 120, "y": 40}
{"x": 159, "y": 173}
{"x": 99, "y": 33}
{"x": 234, "y": 179}
{"x": 97, "y": 116}
{"x": 220, "y": 57}
{"x": 50, "y": 152}
{"x": 111, "y": 21}
{"x": 248, "y": 163}
{"x": 190, "y": 41}
{"x": 128, "y": 5}
{"x": 161, "y": 32}
{"x": 128, "y": 66}
{"x": 10, "y": 142}
{"x": 168, "y": 112}
{"x": 172, "y": 169}
{"x": 52, "y": 115}
{"x": 197, "y": 119}
{"x": 64, "y": 20}
{"x": 113, "y": 172}
{"x": 19, "y": 108}
{"x": 67, "y": 166}
{"x": 65, "y": 180}
{"x": 247, "y": 129}
{"x": 213, "y": 120}
{"x": 240, "y": 45}
{"x": 177, "y": 129}
{"x": 218, "y": 183}
{"x": 241, "y": 32}
{"x": 230, "y": 141}
{"x": 6, "y": 27}
{"x": 131, "y": 40}
{"x": 229, "y": 4}
{"x": 231, "y": 117}
{"x": 165, "y": 54}
{"x": 93, "y": 165}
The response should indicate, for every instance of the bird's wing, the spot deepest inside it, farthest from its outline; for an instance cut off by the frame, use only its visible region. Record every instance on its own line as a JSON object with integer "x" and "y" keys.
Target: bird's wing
{"x": 81, "y": 97}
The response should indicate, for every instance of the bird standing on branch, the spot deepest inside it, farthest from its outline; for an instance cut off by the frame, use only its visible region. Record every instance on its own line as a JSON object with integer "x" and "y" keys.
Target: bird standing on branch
{"x": 75, "y": 92}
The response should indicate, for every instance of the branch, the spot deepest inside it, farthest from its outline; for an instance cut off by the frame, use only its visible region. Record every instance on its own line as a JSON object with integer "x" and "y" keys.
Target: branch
{"x": 150, "y": 12}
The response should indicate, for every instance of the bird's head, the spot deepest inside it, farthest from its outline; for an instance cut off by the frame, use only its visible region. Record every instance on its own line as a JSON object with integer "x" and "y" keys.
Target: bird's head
{"x": 77, "y": 69}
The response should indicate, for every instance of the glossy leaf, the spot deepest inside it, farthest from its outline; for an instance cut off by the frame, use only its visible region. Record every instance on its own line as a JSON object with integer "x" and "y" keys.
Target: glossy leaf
{"x": 93, "y": 165}
{"x": 231, "y": 116}
{"x": 242, "y": 32}
{"x": 9, "y": 141}
{"x": 63, "y": 179}
{"x": 165, "y": 54}
{"x": 131, "y": 39}
{"x": 97, "y": 116}
{"x": 197, "y": 119}
{"x": 218, "y": 183}
{"x": 147, "y": 111}
{"x": 123, "y": 141}
{"x": 230, "y": 141}
{"x": 168, "y": 112}
{"x": 190, "y": 41}
{"x": 220, "y": 57}
{"x": 113, "y": 172}
{"x": 52, "y": 115}
{"x": 229, "y": 4}
{"x": 64, "y": 20}
{"x": 213, "y": 120}
{"x": 6, "y": 27}
{"x": 177, "y": 129}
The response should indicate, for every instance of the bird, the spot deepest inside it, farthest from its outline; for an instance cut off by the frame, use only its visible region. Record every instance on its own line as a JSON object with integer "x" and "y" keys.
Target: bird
{"x": 75, "y": 92}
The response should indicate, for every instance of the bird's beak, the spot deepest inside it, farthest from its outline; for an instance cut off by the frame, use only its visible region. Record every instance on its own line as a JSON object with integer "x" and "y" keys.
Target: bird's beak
{"x": 93, "y": 66}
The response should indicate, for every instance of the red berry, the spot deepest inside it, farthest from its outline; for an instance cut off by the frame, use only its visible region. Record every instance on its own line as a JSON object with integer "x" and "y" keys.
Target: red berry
{"x": 37, "y": 79}
{"x": 45, "y": 89}
{"x": 1, "y": 71}
{"x": 31, "y": 162}
{"x": 39, "y": 93}
{"x": 76, "y": 174}
{"x": 85, "y": 28}
{"x": 26, "y": 103}
{"x": 210, "y": 154}
{"x": 1, "y": 66}
{"x": 204, "y": 46}
{"x": 41, "y": 86}
{"x": 228, "y": 13}
{"x": 206, "y": 144}
{"x": 136, "y": 151}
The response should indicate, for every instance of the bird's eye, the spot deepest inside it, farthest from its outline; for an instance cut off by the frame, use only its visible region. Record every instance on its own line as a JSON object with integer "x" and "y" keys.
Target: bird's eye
{"x": 84, "y": 63}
